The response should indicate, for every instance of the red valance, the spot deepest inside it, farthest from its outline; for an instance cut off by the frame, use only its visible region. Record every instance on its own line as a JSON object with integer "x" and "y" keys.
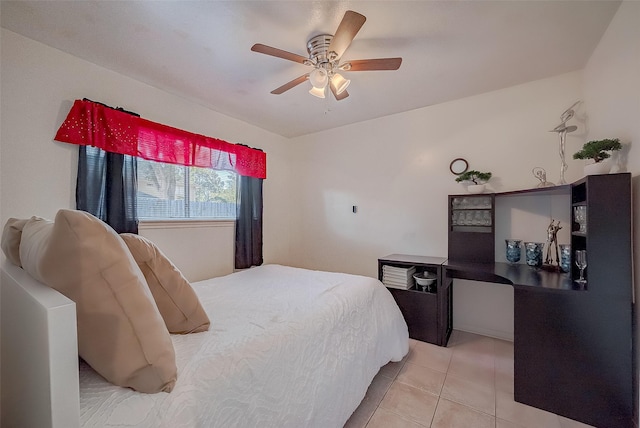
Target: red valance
{"x": 93, "y": 124}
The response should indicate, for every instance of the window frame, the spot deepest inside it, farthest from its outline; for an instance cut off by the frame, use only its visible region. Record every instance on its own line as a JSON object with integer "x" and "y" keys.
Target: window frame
{"x": 164, "y": 222}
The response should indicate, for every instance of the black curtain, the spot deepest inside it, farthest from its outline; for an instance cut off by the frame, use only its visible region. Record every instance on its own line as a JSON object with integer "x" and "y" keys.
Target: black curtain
{"x": 249, "y": 223}
{"x": 106, "y": 187}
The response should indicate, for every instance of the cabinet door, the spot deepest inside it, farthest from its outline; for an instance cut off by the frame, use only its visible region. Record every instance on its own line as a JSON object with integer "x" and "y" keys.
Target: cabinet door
{"x": 445, "y": 309}
{"x": 471, "y": 228}
{"x": 572, "y": 355}
{"x": 420, "y": 311}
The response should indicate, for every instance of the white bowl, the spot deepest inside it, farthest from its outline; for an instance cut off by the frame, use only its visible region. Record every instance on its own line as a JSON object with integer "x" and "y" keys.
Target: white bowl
{"x": 475, "y": 188}
{"x": 424, "y": 278}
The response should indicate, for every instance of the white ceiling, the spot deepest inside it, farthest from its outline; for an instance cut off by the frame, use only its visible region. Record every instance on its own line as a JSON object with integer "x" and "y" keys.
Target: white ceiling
{"x": 200, "y": 50}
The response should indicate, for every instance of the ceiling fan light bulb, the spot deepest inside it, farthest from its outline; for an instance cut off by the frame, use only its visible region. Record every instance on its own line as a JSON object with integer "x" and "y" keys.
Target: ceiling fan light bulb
{"x": 319, "y": 78}
{"x": 317, "y": 92}
{"x": 340, "y": 83}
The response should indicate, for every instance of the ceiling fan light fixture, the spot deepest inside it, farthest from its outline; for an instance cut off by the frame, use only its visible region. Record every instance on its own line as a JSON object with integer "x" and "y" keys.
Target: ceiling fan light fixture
{"x": 317, "y": 92}
{"x": 319, "y": 78}
{"x": 339, "y": 83}
{"x": 325, "y": 53}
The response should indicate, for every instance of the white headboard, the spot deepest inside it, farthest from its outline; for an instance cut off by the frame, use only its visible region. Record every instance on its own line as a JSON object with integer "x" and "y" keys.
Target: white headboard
{"x": 39, "y": 357}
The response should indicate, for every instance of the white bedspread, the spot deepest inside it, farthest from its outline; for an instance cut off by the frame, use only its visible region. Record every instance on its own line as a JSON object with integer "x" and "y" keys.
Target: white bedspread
{"x": 287, "y": 348}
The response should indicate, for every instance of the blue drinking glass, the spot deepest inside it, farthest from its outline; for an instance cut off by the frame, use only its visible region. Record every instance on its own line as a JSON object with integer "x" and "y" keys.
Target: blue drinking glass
{"x": 533, "y": 251}
{"x": 565, "y": 257}
{"x": 513, "y": 250}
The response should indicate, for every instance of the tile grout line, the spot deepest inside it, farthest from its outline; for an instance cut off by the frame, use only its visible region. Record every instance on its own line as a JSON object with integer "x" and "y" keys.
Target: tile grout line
{"x": 434, "y": 412}
{"x": 393, "y": 380}
{"x": 383, "y": 395}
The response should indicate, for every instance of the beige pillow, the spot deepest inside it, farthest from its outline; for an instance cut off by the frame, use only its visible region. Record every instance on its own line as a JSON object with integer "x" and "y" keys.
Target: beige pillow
{"x": 35, "y": 237}
{"x": 10, "y": 241}
{"x": 176, "y": 300}
{"x": 120, "y": 331}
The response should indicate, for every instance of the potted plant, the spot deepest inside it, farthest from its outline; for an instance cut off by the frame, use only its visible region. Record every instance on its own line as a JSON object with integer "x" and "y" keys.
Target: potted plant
{"x": 598, "y": 150}
{"x": 477, "y": 178}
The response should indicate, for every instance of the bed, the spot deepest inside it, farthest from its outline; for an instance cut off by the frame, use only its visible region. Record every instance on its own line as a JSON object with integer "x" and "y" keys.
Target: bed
{"x": 287, "y": 347}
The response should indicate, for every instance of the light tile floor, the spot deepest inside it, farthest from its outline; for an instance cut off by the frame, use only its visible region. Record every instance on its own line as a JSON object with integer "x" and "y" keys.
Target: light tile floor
{"x": 468, "y": 384}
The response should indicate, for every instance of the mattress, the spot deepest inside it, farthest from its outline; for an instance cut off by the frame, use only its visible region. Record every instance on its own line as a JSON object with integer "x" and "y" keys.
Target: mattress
{"x": 287, "y": 347}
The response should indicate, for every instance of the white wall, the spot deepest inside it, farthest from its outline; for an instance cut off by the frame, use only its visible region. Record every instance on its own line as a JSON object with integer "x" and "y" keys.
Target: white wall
{"x": 200, "y": 249}
{"x": 612, "y": 102}
{"x": 38, "y": 174}
{"x": 396, "y": 170}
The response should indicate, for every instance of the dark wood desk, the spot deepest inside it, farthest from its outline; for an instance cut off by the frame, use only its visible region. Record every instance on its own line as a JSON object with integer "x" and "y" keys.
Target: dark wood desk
{"x": 572, "y": 346}
{"x": 518, "y": 275}
{"x": 574, "y": 351}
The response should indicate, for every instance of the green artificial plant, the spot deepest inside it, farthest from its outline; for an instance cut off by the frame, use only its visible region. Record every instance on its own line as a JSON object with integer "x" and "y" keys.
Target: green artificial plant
{"x": 476, "y": 177}
{"x": 597, "y": 150}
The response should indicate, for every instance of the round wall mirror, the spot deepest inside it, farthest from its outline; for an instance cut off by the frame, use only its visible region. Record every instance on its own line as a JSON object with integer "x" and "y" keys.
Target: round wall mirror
{"x": 458, "y": 166}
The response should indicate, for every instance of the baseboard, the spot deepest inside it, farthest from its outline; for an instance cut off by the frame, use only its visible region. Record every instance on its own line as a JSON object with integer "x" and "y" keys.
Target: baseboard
{"x": 496, "y": 334}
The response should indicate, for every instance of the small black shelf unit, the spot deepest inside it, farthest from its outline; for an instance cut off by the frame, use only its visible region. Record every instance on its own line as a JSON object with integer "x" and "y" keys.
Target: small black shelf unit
{"x": 428, "y": 314}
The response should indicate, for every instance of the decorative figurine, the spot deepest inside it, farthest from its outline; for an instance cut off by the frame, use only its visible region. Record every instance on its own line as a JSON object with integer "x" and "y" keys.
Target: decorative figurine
{"x": 541, "y": 175}
{"x": 552, "y": 240}
{"x": 562, "y": 131}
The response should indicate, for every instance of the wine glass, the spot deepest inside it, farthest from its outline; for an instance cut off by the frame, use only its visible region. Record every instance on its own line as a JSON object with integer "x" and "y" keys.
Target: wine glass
{"x": 581, "y": 262}
{"x": 580, "y": 214}
{"x": 487, "y": 218}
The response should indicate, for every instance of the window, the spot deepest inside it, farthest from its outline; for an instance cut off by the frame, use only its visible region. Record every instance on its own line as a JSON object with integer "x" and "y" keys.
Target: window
{"x": 167, "y": 191}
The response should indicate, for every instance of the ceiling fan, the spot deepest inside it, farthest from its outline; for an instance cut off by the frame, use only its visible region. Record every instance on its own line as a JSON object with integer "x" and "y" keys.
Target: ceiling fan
{"x": 325, "y": 53}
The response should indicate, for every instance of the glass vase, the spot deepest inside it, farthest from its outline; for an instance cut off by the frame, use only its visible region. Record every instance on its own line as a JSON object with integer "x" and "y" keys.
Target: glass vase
{"x": 565, "y": 257}
{"x": 513, "y": 250}
{"x": 533, "y": 251}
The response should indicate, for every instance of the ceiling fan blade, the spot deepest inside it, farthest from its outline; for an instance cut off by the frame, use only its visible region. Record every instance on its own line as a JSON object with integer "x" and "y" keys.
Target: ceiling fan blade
{"x": 372, "y": 64}
{"x": 347, "y": 30}
{"x": 278, "y": 53}
{"x": 344, "y": 94}
{"x": 289, "y": 85}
